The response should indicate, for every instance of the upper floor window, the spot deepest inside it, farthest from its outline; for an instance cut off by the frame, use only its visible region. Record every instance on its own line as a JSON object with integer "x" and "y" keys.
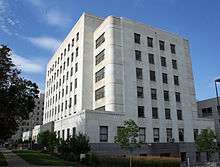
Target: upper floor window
{"x": 155, "y": 113}
{"x": 100, "y": 75}
{"x": 138, "y": 55}
{"x": 162, "y": 45}
{"x": 99, "y": 57}
{"x": 142, "y": 134}
{"x": 151, "y": 58}
{"x": 76, "y": 67}
{"x": 77, "y": 36}
{"x": 167, "y": 113}
{"x": 77, "y": 51}
{"x": 141, "y": 111}
{"x": 173, "y": 48}
{"x": 140, "y": 92}
{"x": 176, "y": 80}
{"x": 100, "y": 40}
{"x": 179, "y": 115}
{"x": 152, "y": 76}
{"x": 139, "y": 73}
{"x": 207, "y": 112}
{"x": 100, "y": 93}
{"x": 149, "y": 42}
{"x": 68, "y": 47}
{"x": 166, "y": 95}
{"x": 181, "y": 134}
{"x": 164, "y": 78}
{"x": 137, "y": 38}
{"x": 153, "y": 94}
{"x": 103, "y": 133}
{"x": 174, "y": 64}
{"x": 72, "y": 42}
{"x": 163, "y": 61}
{"x": 177, "y": 95}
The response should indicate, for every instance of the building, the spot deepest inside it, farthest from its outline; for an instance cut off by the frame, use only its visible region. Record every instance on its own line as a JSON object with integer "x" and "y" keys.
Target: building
{"x": 208, "y": 109}
{"x": 114, "y": 69}
{"x": 35, "y": 118}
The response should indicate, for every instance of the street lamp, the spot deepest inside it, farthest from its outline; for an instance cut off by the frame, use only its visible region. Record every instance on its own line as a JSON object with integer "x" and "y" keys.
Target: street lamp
{"x": 216, "y": 90}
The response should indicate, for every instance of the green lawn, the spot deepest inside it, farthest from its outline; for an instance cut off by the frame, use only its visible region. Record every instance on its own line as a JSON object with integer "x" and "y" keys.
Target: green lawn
{"x": 38, "y": 158}
{"x": 2, "y": 160}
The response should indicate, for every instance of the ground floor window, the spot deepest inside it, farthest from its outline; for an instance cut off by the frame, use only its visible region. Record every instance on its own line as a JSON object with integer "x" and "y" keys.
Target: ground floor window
{"x": 103, "y": 133}
{"x": 142, "y": 135}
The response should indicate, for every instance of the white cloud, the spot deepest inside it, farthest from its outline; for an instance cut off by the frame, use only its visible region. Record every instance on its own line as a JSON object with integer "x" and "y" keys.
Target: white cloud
{"x": 27, "y": 65}
{"x": 45, "y": 42}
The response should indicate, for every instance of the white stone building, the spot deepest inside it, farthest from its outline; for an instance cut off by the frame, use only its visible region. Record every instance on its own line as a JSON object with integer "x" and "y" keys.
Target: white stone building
{"x": 114, "y": 69}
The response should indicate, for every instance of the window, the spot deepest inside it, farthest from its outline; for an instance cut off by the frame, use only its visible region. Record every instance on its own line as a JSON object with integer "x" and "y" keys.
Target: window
{"x": 77, "y": 51}
{"x": 99, "y": 57}
{"x": 68, "y": 47}
{"x": 162, "y": 45}
{"x": 58, "y": 134}
{"x": 141, "y": 111}
{"x": 142, "y": 134}
{"x": 68, "y": 133}
{"x": 173, "y": 48}
{"x": 100, "y": 93}
{"x": 152, "y": 76}
{"x": 156, "y": 134}
{"x": 139, "y": 74}
{"x": 65, "y": 104}
{"x": 67, "y": 75}
{"x": 207, "y": 111}
{"x": 163, "y": 61}
{"x": 103, "y": 133}
{"x": 72, "y": 57}
{"x": 138, "y": 55}
{"x": 181, "y": 134}
{"x": 72, "y": 42}
{"x": 100, "y": 40}
{"x": 164, "y": 78}
{"x": 71, "y": 71}
{"x": 169, "y": 134}
{"x": 179, "y": 115}
{"x": 153, "y": 94}
{"x": 174, "y": 64}
{"x": 140, "y": 92}
{"x": 100, "y": 75}
{"x": 63, "y": 133}
{"x": 151, "y": 58}
{"x": 149, "y": 42}
{"x": 75, "y": 83}
{"x": 74, "y": 131}
{"x": 70, "y": 103}
{"x": 177, "y": 95}
{"x": 176, "y": 80}
{"x": 75, "y": 99}
{"x": 166, "y": 95}
{"x": 68, "y": 61}
{"x": 77, "y": 36}
{"x": 76, "y": 67}
{"x": 71, "y": 86}
{"x": 167, "y": 113}
{"x": 137, "y": 38}
{"x": 155, "y": 113}
{"x": 66, "y": 89}
{"x": 195, "y": 133}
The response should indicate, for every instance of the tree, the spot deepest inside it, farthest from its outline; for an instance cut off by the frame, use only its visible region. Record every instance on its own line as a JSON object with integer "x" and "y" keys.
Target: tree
{"x": 48, "y": 139}
{"x": 205, "y": 142}
{"x": 16, "y": 95}
{"x": 127, "y": 136}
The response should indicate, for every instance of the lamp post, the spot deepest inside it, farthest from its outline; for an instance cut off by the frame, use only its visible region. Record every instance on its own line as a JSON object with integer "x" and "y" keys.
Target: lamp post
{"x": 216, "y": 90}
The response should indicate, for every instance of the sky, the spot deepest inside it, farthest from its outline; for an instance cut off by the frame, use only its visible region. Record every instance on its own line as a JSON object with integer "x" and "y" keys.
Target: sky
{"x": 33, "y": 29}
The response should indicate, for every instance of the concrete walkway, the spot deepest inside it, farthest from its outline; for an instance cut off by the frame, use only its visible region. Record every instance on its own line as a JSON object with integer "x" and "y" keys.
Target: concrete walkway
{"x": 12, "y": 159}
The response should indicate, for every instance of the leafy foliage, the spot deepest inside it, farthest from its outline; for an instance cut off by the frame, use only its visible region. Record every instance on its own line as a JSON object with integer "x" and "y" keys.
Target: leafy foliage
{"x": 205, "y": 141}
{"x": 127, "y": 135}
{"x": 16, "y": 95}
{"x": 48, "y": 139}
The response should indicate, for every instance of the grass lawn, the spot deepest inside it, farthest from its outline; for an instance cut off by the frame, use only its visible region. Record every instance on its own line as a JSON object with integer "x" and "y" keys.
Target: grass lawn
{"x": 38, "y": 158}
{"x": 2, "y": 160}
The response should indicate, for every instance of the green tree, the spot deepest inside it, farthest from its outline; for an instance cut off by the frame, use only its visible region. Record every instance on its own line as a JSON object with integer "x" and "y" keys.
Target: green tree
{"x": 205, "y": 142}
{"x": 127, "y": 136}
{"x": 16, "y": 95}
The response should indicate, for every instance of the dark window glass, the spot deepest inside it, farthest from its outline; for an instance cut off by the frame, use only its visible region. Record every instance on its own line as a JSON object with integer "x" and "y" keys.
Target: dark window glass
{"x": 137, "y": 38}
{"x": 181, "y": 134}
{"x": 75, "y": 83}
{"x": 154, "y": 113}
{"x": 164, "y": 77}
{"x": 75, "y": 99}
{"x": 152, "y": 76}
{"x": 173, "y": 48}
{"x": 151, "y": 58}
{"x": 77, "y": 51}
{"x": 156, "y": 134}
{"x": 141, "y": 111}
{"x": 174, "y": 64}
{"x": 142, "y": 135}
{"x": 177, "y": 94}
{"x": 138, "y": 55}
{"x": 99, "y": 57}
{"x": 176, "y": 80}
{"x": 139, "y": 73}
{"x": 140, "y": 92}
{"x": 76, "y": 67}
{"x": 195, "y": 133}
{"x": 100, "y": 93}
{"x": 77, "y": 36}
{"x": 154, "y": 94}
{"x": 163, "y": 61}
{"x": 149, "y": 42}
{"x": 167, "y": 113}
{"x": 166, "y": 95}
{"x": 100, "y": 74}
{"x": 100, "y": 40}
{"x": 179, "y": 115}
{"x": 169, "y": 134}
{"x": 207, "y": 111}
{"x": 103, "y": 133}
{"x": 162, "y": 45}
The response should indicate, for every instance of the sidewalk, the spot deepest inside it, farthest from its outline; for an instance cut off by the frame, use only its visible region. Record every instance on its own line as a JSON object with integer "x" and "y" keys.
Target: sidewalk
{"x": 13, "y": 160}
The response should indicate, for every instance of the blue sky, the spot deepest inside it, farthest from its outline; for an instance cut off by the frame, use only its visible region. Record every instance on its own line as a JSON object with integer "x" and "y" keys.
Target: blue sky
{"x": 34, "y": 29}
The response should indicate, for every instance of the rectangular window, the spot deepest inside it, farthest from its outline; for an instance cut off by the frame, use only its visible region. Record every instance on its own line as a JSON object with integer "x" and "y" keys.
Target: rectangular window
{"x": 138, "y": 55}
{"x": 169, "y": 134}
{"x": 76, "y": 67}
{"x": 72, "y": 57}
{"x": 166, "y": 95}
{"x": 177, "y": 95}
{"x": 179, "y": 115}
{"x": 63, "y": 134}
{"x": 71, "y": 86}
{"x": 103, "y": 133}
{"x": 72, "y": 42}
{"x": 181, "y": 134}
{"x": 140, "y": 92}
{"x": 58, "y": 134}
{"x": 99, "y": 57}
{"x": 149, "y": 42}
{"x": 137, "y": 38}
{"x": 206, "y": 112}
{"x": 67, "y": 75}
{"x": 164, "y": 78}
{"x": 68, "y": 133}
{"x": 66, "y": 89}
{"x": 176, "y": 80}
{"x": 174, "y": 64}
{"x": 75, "y": 99}
{"x": 151, "y": 58}
{"x": 68, "y": 47}
{"x": 65, "y": 104}
{"x": 141, "y": 111}
{"x": 77, "y": 36}
{"x": 100, "y": 74}
{"x": 167, "y": 113}
{"x": 100, "y": 93}
{"x": 100, "y": 40}
{"x": 77, "y": 51}
{"x": 195, "y": 133}
{"x": 71, "y": 71}
{"x": 74, "y": 131}
{"x": 155, "y": 113}
{"x": 70, "y": 103}
{"x": 139, "y": 74}
{"x": 75, "y": 83}
{"x": 152, "y": 76}
{"x": 173, "y": 48}
{"x": 163, "y": 61}
{"x": 162, "y": 45}
{"x": 153, "y": 94}
{"x": 142, "y": 134}
{"x": 68, "y": 61}
{"x": 156, "y": 134}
